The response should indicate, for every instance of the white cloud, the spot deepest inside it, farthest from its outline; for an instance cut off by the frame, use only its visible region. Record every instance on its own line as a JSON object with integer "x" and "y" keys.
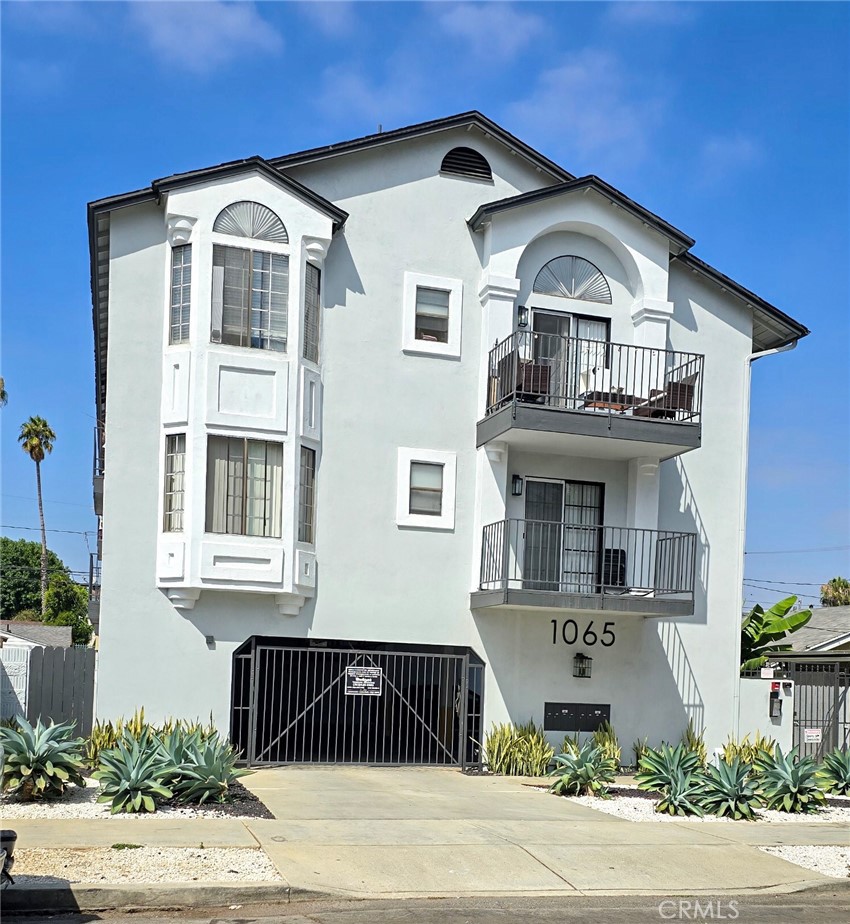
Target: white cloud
{"x": 333, "y": 18}
{"x": 650, "y": 12}
{"x": 720, "y": 157}
{"x": 202, "y": 36}
{"x": 591, "y": 109}
{"x": 349, "y": 92}
{"x": 495, "y": 30}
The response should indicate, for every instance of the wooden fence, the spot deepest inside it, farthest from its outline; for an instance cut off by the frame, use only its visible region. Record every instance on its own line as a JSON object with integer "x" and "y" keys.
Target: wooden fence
{"x": 61, "y": 686}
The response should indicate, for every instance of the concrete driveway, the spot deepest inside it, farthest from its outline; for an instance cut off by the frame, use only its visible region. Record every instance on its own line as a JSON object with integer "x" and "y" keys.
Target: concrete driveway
{"x": 368, "y": 831}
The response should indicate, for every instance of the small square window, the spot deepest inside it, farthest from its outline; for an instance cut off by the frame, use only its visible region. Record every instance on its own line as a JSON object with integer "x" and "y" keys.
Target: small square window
{"x": 426, "y": 489}
{"x": 432, "y": 314}
{"x": 433, "y": 309}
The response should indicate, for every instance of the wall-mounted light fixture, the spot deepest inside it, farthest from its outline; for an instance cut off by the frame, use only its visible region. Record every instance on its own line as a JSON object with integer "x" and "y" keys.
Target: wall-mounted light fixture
{"x": 522, "y": 316}
{"x": 582, "y": 665}
{"x": 516, "y": 486}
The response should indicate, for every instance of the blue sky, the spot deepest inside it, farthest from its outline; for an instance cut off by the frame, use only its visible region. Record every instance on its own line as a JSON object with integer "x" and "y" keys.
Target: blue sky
{"x": 730, "y": 120}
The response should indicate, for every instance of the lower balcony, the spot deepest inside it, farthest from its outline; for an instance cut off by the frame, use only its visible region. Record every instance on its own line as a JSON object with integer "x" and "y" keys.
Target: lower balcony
{"x": 568, "y": 566}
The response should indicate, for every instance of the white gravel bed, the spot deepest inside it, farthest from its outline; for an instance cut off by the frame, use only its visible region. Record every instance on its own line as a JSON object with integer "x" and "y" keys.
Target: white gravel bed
{"x": 642, "y": 808}
{"x": 143, "y": 864}
{"x": 829, "y": 861}
{"x": 80, "y": 803}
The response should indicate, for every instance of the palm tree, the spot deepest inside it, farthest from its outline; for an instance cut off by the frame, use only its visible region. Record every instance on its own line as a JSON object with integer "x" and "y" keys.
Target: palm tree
{"x": 36, "y": 439}
{"x": 3, "y": 396}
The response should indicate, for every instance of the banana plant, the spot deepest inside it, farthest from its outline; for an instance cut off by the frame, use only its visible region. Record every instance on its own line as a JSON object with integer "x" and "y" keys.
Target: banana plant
{"x": 763, "y": 631}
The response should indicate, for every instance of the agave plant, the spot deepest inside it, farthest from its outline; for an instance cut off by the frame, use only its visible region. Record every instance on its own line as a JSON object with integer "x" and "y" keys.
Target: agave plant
{"x": 789, "y": 783}
{"x": 660, "y": 769}
{"x": 42, "y": 760}
{"x": 728, "y": 789}
{"x": 588, "y": 772}
{"x": 207, "y": 770}
{"x": 133, "y": 774}
{"x": 835, "y": 772}
{"x": 682, "y": 796}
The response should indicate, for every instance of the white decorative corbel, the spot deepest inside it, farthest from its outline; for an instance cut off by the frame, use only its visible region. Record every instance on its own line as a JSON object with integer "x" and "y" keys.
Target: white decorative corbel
{"x": 289, "y": 604}
{"x": 179, "y": 229}
{"x": 184, "y": 598}
{"x": 498, "y": 287}
{"x": 316, "y": 249}
{"x": 647, "y": 467}
{"x": 495, "y": 451}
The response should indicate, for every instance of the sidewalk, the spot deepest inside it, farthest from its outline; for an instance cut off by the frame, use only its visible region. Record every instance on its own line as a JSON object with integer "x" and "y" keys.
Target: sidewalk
{"x": 376, "y": 832}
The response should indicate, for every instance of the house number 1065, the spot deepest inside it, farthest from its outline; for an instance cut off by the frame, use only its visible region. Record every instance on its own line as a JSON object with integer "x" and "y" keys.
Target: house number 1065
{"x": 570, "y": 633}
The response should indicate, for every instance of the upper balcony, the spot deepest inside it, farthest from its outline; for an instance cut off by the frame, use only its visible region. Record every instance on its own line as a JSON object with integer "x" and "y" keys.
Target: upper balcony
{"x": 568, "y": 566}
{"x": 609, "y": 400}
{"x": 98, "y": 470}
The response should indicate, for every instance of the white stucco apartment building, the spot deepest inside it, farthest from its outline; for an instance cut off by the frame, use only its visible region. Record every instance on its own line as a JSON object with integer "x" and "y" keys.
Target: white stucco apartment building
{"x": 413, "y": 433}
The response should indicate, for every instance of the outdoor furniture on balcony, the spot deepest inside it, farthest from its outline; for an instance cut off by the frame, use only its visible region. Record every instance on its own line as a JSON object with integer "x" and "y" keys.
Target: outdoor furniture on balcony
{"x": 560, "y": 565}
{"x": 643, "y": 393}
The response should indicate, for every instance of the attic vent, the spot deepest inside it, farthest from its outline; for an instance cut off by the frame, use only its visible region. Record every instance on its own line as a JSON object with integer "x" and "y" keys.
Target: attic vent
{"x": 250, "y": 219}
{"x": 573, "y": 277}
{"x": 466, "y": 162}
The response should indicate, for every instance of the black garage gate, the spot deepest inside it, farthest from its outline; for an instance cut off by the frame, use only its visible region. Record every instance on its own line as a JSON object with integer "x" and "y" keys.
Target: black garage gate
{"x": 324, "y": 701}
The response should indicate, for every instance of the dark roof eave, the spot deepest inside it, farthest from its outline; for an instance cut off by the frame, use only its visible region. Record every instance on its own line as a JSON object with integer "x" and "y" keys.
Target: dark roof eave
{"x": 674, "y": 235}
{"x": 795, "y": 330}
{"x": 472, "y": 117}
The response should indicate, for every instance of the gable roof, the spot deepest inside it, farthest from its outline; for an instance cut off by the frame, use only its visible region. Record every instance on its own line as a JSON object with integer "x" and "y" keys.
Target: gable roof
{"x": 38, "y": 633}
{"x": 470, "y": 119}
{"x": 772, "y": 328}
{"x": 828, "y": 627}
{"x": 485, "y": 212}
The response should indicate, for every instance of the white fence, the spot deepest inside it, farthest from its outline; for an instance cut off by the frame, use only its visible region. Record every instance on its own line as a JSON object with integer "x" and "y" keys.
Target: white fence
{"x": 14, "y": 681}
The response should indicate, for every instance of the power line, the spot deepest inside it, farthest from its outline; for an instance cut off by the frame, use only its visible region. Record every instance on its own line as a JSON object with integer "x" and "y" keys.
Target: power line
{"x": 773, "y": 590}
{"x": 789, "y": 583}
{"x": 47, "y": 501}
{"x": 831, "y": 548}
{"x": 36, "y": 529}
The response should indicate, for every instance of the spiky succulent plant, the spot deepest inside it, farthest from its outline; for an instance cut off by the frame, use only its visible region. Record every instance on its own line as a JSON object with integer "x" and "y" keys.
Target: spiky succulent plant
{"x": 41, "y": 760}
{"x": 587, "y": 772}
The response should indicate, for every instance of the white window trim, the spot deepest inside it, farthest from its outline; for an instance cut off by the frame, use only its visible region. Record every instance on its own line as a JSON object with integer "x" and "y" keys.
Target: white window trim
{"x": 450, "y": 349}
{"x": 403, "y": 517}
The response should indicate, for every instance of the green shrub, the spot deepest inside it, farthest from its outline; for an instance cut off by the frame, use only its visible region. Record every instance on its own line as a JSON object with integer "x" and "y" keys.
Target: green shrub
{"x": 695, "y": 743}
{"x": 588, "y": 772}
{"x": 605, "y": 738}
{"x": 42, "y": 760}
{"x": 133, "y": 774}
{"x": 835, "y": 772}
{"x": 571, "y": 744}
{"x": 520, "y": 750}
{"x": 728, "y": 789}
{"x": 682, "y": 796}
{"x": 789, "y": 784}
{"x": 660, "y": 769}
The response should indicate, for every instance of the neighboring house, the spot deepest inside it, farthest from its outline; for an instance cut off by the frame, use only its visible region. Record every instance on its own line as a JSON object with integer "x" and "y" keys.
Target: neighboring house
{"x": 827, "y": 630}
{"x": 411, "y": 434}
{"x": 38, "y": 633}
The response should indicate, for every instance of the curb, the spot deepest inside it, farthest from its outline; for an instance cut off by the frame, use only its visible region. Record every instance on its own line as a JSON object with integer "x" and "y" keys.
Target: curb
{"x": 26, "y": 898}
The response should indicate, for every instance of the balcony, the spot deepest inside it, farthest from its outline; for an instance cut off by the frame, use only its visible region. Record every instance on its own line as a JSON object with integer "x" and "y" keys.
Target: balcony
{"x": 94, "y": 591}
{"x": 537, "y": 563}
{"x": 98, "y": 470}
{"x": 609, "y": 400}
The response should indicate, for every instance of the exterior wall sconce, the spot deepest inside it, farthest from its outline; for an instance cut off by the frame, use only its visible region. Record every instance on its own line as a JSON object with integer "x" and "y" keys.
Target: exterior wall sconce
{"x": 522, "y": 316}
{"x": 516, "y": 486}
{"x": 582, "y": 665}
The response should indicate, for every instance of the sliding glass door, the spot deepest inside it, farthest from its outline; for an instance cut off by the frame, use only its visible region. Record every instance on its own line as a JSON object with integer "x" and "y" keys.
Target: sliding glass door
{"x": 543, "y": 549}
{"x": 575, "y": 349}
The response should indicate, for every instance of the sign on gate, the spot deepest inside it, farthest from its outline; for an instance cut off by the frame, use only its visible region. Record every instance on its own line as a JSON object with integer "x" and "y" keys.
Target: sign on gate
{"x": 364, "y": 681}
{"x": 813, "y": 735}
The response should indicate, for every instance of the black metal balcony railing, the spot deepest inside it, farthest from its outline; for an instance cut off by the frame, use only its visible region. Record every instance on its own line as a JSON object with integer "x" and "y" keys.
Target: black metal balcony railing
{"x": 572, "y": 374}
{"x": 94, "y": 577}
{"x": 98, "y": 463}
{"x": 589, "y": 560}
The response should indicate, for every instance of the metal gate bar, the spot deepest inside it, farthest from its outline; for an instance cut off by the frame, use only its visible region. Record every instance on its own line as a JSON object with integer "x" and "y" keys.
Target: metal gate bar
{"x": 289, "y": 704}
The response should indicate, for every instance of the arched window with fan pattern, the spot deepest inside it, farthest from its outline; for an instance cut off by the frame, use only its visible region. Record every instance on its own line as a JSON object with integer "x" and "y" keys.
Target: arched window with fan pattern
{"x": 252, "y": 220}
{"x": 573, "y": 277}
